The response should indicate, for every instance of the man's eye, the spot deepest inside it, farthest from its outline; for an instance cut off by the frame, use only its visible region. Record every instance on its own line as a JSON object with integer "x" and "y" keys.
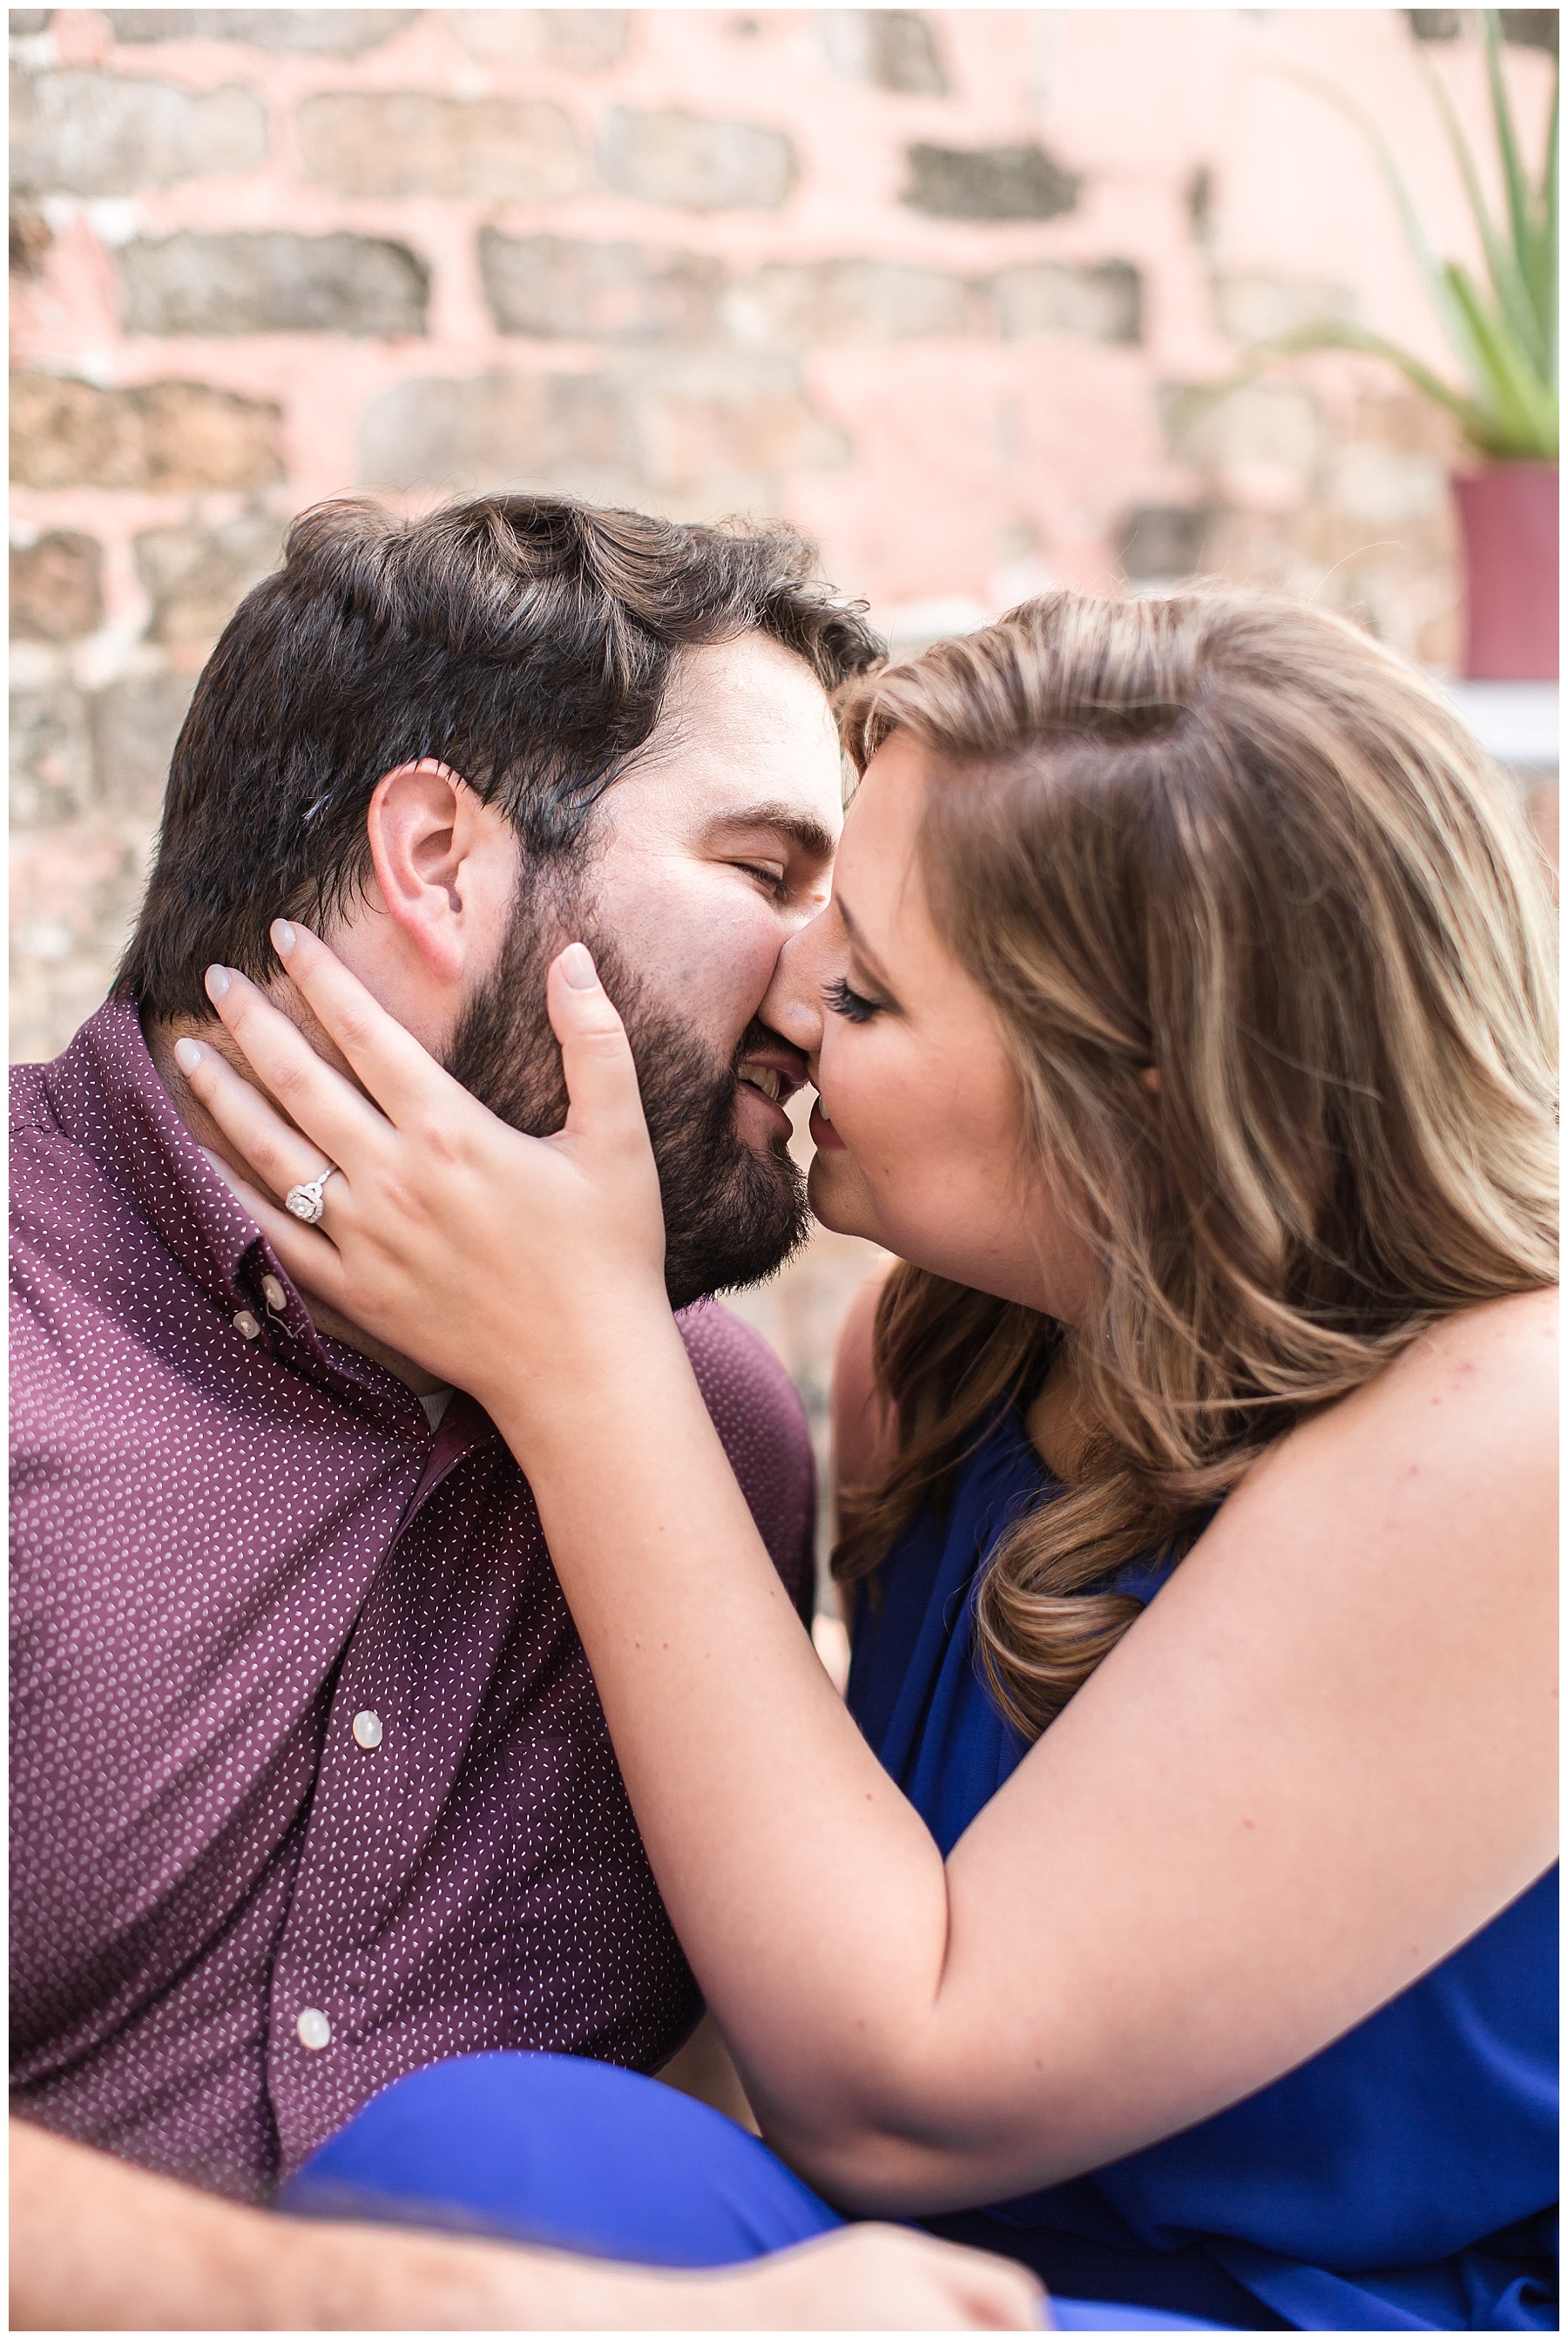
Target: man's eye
{"x": 852, "y": 1003}
{"x": 775, "y": 880}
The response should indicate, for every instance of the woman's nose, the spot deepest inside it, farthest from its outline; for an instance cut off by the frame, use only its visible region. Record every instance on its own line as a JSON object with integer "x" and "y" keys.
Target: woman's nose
{"x": 793, "y": 1003}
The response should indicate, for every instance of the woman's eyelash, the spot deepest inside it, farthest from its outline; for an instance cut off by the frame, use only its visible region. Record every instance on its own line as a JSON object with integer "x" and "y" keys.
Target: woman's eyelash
{"x": 852, "y": 1003}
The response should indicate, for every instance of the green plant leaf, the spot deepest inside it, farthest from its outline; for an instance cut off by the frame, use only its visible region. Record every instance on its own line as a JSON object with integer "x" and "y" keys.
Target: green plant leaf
{"x": 1507, "y": 349}
{"x": 1431, "y": 267}
{"x": 1506, "y": 264}
{"x": 1523, "y": 402}
{"x": 1545, "y": 256}
{"x": 1337, "y": 334}
{"x": 1507, "y": 143}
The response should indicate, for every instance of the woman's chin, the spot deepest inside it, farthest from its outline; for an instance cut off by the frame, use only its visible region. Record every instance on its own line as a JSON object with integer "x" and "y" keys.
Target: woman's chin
{"x": 838, "y": 1198}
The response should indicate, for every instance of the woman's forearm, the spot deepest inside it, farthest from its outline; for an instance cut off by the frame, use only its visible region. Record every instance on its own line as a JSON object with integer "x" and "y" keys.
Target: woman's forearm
{"x": 807, "y": 1892}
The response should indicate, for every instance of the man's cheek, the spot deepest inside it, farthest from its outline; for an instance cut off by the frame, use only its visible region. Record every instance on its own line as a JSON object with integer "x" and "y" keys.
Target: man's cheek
{"x": 749, "y": 956}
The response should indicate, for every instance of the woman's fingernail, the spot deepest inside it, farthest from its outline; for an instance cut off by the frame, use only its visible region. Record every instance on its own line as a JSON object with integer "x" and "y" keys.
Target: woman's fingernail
{"x": 282, "y": 935}
{"x": 219, "y": 983}
{"x": 188, "y": 1054}
{"x": 577, "y": 967}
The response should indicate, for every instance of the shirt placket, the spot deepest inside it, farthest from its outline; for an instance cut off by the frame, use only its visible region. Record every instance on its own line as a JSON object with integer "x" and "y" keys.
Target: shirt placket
{"x": 381, "y": 1776}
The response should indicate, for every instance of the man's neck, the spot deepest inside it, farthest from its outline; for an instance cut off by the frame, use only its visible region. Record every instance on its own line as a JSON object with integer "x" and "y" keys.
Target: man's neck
{"x": 161, "y": 1035}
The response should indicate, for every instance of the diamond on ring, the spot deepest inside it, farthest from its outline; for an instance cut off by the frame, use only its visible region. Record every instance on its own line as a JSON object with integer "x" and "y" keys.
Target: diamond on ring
{"x": 305, "y": 1201}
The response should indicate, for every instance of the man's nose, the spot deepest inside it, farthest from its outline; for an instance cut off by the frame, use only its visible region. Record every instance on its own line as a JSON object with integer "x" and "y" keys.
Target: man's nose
{"x": 793, "y": 1003}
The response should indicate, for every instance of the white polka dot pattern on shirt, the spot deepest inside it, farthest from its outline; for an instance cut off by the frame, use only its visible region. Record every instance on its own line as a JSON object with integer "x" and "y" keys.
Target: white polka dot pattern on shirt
{"x": 228, "y": 1545}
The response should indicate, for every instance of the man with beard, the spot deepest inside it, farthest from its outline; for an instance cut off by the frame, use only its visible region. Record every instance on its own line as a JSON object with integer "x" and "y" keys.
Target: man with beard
{"x": 311, "y": 1784}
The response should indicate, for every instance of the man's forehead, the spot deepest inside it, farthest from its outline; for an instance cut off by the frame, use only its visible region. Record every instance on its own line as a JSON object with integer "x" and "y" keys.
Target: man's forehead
{"x": 747, "y": 740}
{"x": 751, "y": 687}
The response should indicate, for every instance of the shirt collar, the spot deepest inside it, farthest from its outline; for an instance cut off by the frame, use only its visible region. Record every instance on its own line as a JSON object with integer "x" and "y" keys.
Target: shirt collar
{"x": 116, "y": 1108}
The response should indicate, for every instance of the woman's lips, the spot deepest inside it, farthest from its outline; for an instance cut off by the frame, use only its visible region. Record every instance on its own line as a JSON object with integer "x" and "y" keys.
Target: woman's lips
{"x": 825, "y": 1138}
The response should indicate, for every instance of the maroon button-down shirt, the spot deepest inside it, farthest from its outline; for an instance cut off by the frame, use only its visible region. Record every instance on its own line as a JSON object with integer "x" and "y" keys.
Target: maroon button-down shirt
{"x": 232, "y": 1537}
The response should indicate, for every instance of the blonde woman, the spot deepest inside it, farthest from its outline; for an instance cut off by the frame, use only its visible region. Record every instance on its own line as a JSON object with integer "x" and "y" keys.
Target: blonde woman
{"x": 1171, "y": 1908}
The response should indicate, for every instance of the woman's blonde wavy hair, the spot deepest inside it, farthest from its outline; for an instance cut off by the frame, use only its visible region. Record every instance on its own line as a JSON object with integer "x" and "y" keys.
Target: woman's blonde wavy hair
{"x": 1231, "y": 839}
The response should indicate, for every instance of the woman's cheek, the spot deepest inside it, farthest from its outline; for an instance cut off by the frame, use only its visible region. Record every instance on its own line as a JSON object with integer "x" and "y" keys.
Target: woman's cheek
{"x": 840, "y": 1198}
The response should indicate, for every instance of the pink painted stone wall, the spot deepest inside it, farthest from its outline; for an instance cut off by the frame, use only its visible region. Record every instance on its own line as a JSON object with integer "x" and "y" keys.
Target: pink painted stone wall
{"x": 940, "y": 287}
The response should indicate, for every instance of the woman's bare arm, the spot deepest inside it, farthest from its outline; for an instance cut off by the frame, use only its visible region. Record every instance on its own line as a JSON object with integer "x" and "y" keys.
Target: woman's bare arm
{"x": 1322, "y": 1759}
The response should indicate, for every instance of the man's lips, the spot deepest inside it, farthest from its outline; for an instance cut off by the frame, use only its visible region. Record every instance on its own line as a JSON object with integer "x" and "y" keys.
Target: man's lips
{"x": 774, "y": 1073}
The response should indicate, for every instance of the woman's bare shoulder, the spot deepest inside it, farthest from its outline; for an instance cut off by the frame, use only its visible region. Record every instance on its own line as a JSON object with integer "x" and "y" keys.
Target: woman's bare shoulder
{"x": 1497, "y": 1361}
{"x": 1450, "y": 1451}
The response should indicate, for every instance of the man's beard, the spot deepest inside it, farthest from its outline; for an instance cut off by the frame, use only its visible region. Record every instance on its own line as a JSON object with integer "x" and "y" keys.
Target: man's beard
{"x": 730, "y": 1216}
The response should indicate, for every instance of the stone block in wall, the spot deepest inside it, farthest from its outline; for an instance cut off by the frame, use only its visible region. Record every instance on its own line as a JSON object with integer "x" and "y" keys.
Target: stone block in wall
{"x": 847, "y": 300}
{"x": 990, "y": 182}
{"x": 411, "y": 142}
{"x": 168, "y": 437}
{"x": 31, "y": 237}
{"x": 1159, "y": 543}
{"x": 50, "y": 756}
{"x": 570, "y": 431}
{"x": 75, "y": 889}
{"x": 1253, "y": 308}
{"x": 56, "y": 587}
{"x": 1388, "y": 487}
{"x": 1266, "y": 425}
{"x": 574, "y": 40}
{"x": 316, "y": 31}
{"x": 890, "y": 48}
{"x": 556, "y": 287}
{"x": 1531, "y": 28}
{"x": 273, "y": 282}
{"x": 1102, "y": 303}
{"x": 696, "y": 163}
{"x": 731, "y": 424}
{"x": 1527, "y": 28}
{"x": 135, "y": 724}
{"x": 96, "y": 133}
{"x": 195, "y": 576}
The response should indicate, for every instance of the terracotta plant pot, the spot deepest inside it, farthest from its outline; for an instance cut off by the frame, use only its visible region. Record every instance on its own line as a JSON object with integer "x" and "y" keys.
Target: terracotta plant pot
{"x": 1508, "y": 518}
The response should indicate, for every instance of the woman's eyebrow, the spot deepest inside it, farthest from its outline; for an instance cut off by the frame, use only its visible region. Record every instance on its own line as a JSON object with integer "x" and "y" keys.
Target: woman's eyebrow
{"x": 807, "y": 835}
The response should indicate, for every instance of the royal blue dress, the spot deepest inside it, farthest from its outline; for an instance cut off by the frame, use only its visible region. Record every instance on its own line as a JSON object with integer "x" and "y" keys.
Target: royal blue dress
{"x": 1403, "y": 2179}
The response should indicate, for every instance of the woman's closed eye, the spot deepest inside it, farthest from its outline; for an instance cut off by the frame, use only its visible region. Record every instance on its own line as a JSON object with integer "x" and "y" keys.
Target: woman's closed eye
{"x": 855, "y": 1004}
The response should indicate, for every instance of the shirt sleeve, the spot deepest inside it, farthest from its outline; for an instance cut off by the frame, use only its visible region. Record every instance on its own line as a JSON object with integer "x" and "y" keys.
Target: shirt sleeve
{"x": 762, "y": 1424}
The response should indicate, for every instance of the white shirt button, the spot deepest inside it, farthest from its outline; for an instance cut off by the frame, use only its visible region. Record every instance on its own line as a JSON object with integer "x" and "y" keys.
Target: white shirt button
{"x": 273, "y": 1293}
{"x": 314, "y": 2028}
{"x": 368, "y": 1727}
{"x": 247, "y": 1324}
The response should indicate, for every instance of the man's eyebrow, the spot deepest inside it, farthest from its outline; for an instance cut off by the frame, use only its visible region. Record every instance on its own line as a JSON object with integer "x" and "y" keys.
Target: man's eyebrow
{"x": 787, "y": 820}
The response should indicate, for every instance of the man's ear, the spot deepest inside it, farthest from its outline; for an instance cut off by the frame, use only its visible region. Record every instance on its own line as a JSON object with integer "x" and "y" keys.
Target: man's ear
{"x": 445, "y": 865}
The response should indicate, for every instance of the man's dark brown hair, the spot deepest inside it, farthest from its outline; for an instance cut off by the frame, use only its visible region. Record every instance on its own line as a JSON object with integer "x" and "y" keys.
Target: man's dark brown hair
{"x": 527, "y": 641}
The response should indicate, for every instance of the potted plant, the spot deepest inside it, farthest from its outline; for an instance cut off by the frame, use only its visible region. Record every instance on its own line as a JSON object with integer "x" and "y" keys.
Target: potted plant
{"x": 1504, "y": 333}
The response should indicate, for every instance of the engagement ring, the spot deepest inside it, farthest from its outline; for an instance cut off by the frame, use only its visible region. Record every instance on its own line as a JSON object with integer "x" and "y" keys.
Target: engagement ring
{"x": 305, "y": 1201}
